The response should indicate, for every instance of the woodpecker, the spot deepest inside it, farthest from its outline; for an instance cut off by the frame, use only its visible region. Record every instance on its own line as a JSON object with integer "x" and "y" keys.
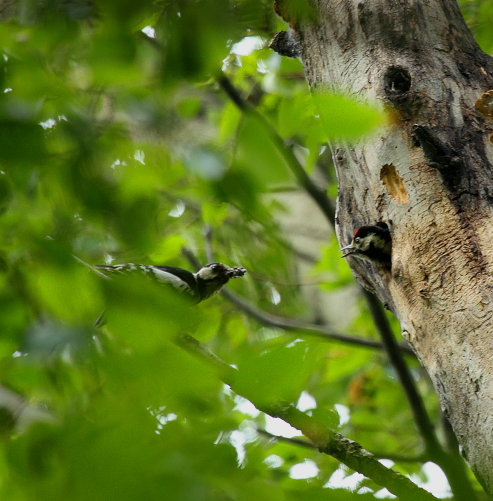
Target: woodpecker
{"x": 372, "y": 243}
{"x": 198, "y": 286}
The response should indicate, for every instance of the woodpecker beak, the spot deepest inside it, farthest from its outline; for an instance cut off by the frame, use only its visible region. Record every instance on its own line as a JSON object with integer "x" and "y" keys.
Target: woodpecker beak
{"x": 349, "y": 248}
{"x": 236, "y": 272}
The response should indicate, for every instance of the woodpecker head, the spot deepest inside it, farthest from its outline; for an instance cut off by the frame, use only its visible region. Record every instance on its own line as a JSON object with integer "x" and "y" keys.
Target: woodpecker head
{"x": 213, "y": 276}
{"x": 373, "y": 243}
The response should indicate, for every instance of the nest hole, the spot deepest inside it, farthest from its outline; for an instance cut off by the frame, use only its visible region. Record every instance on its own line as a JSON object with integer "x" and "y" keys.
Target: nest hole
{"x": 397, "y": 80}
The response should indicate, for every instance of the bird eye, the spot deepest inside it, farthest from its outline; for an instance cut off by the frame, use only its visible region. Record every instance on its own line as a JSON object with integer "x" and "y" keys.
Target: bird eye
{"x": 215, "y": 267}
{"x": 356, "y": 240}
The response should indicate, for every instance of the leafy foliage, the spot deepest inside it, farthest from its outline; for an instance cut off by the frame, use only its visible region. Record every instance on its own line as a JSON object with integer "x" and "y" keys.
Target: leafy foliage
{"x": 116, "y": 143}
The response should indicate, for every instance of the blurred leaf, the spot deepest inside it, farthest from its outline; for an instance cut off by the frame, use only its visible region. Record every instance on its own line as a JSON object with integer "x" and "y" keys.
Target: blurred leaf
{"x": 261, "y": 491}
{"x": 21, "y": 142}
{"x": 238, "y": 188}
{"x": 258, "y": 154}
{"x": 112, "y": 57}
{"x": 168, "y": 249}
{"x": 321, "y": 494}
{"x": 214, "y": 214}
{"x": 206, "y": 163}
{"x": 189, "y": 107}
{"x": 482, "y": 29}
{"x": 345, "y": 118}
{"x": 230, "y": 119}
{"x": 69, "y": 293}
{"x": 334, "y": 266}
{"x": 297, "y": 116}
{"x": 144, "y": 314}
{"x": 274, "y": 375}
{"x": 191, "y": 52}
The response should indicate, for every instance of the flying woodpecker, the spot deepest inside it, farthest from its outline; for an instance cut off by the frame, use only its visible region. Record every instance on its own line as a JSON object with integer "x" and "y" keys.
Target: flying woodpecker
{"x": 198, "y": 286}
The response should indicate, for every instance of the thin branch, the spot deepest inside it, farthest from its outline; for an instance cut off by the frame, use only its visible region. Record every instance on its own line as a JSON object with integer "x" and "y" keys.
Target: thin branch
{"x": 401, "y": 458}
{"x": 92, "y": 268}
{"x": 323, "y": 438}
{"x": 293, "y": 441}
{"x": 451, "y": 463}
{"x": 192, "y": 258}
{"x": 289, "y": 324}
{"x": 421, "y": 418}
{"x": 319, "y": 196}
{"x": 6, "y": 6}
{"x": 208, "y": 243}
{"x": 226, "y": 373}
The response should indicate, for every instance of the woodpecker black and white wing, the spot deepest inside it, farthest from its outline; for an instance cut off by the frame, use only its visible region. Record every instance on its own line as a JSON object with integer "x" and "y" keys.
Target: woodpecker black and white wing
{"x": 179, "y": 278}
{"x": 198, "y": 286}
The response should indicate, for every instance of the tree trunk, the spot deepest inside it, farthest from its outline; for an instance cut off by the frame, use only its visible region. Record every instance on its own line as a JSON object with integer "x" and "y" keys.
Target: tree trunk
{"x": 428, "y": 175}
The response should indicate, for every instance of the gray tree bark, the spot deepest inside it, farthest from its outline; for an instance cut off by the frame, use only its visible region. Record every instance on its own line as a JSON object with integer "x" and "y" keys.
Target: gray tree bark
{"x": 428, "y": 175}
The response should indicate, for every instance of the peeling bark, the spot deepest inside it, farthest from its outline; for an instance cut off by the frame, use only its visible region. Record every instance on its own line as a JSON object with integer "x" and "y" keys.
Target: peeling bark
{"x": 428, "y": 175}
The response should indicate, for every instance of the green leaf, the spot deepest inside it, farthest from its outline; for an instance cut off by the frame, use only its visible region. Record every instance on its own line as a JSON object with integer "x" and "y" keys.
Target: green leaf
{"x": 146, "y": 315}
{"x": 168, "y": 249}
{"x": 230, "y": 119}
{"x": 260, "y": 490}
{"x": 345, "y": 118}
{"x": 69, "y": 293}
{"x": 482, "y": 30}
{"x": 258, "y": 153}
{"x": 21, "y": 143}
{"x": 274, "y": 375}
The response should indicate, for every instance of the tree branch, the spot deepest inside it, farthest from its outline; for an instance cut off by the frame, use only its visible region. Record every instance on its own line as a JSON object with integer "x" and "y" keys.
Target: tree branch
{"x": 323, "y": 438}
{"x": 293, "y": 441}
{"x": 378, "y": 455}
{"x": 289, "y": 324}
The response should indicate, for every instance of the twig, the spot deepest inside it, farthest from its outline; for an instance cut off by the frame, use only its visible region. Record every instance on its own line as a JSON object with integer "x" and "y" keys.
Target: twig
{"x": 92, "y": 268}
{"x": 400, "y": 458}
{"x": 226, "y": 372}
{"x": 293, "y": 441}
{"x": 6, "y": 6}
{"x": 421, "y": 418}
{"x": 208, "y": 242}
{"x": 192, "y": 258}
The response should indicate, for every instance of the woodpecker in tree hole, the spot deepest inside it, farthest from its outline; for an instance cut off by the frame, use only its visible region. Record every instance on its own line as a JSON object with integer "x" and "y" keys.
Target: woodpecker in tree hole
{"x": 372, "y": 243}
{"x": 198, "y": 286}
